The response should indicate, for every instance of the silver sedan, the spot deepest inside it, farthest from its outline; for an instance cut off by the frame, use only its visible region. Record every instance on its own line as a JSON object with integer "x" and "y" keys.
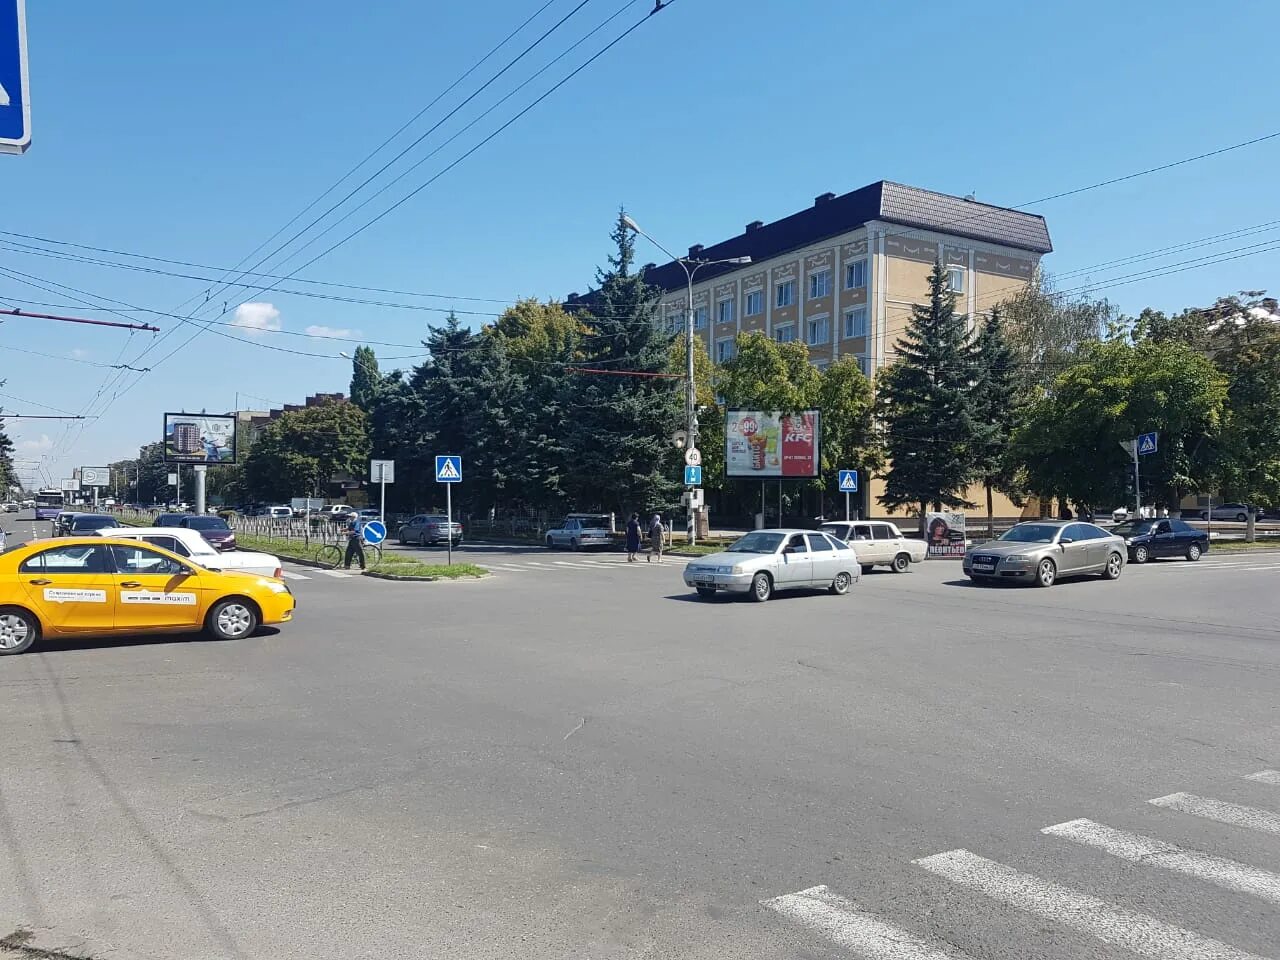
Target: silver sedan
{"x": 1041, "y": 551}
{"x": 769, "y": 560}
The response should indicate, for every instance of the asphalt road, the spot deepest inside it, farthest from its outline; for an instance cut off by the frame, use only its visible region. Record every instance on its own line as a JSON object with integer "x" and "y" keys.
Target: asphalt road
{"x": 577, "y": 759}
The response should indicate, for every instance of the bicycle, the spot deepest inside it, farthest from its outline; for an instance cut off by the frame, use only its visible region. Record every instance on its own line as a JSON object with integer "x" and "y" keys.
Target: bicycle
{"x": 332, "y": 555}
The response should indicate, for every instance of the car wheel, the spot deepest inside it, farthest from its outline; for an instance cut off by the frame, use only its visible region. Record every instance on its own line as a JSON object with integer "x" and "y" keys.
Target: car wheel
{"x": 901, "y": 563}
{"x": 422, "y": 540}
{"x": 574, "y": 546}
{"x": 1141, "y": 554}
{"x": 18, "y": 631}
{"x": 1194, "y": 552}
{"x": 1114, "y": 567}
{"x": 232, "y": 619}
{"x": 1046, "y": 574}
{"x": 706, "y": 593}
{"x": 551, "y": 544}
{"x": 840, "y": 585}
{"x": 1241, "y": 517}
{"x": 761, "y": 587}
{"x": 1204, "y": 514}
{"x": 867, "y": 567}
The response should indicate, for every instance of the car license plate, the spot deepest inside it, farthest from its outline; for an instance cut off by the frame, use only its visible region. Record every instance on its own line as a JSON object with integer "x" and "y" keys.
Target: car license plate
{"x": 984, "y": 567}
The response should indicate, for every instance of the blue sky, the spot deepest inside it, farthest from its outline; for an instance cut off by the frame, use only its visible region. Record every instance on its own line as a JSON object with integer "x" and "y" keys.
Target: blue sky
{"x": 195, "y": 131}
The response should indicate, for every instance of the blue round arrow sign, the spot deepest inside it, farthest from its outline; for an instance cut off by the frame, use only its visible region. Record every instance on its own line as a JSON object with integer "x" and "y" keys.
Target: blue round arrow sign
{"x": 375, "y": 531}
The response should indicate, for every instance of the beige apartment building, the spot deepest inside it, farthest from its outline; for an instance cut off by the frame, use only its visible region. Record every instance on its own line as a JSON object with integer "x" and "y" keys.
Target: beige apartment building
{"x": 842, "y": 276}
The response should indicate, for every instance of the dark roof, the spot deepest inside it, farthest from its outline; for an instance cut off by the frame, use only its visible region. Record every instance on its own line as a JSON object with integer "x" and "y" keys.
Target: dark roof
{"x": 885, "y": 201}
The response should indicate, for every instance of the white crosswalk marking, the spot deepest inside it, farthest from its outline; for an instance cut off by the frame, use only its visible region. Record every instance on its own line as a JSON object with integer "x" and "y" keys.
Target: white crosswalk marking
{"x": 337, "y": 573}
{"x": 842, "y": 923}
{"x": 1109, "y": 923}
{"x": 1220, "y": 810}
{"x": 1155, "y": 853}
{"x": 1265, "y": 776}
{"x": 290, "y": 575}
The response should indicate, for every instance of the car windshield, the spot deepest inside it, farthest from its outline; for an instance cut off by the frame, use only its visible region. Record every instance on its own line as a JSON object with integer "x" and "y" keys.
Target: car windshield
{"x": 1031, "y": 533}
{"x": 1134, "y": 528}
{"x": 207, "y": 523}
{"x": 758, "y": 543}
{"x": 93, "y": 523}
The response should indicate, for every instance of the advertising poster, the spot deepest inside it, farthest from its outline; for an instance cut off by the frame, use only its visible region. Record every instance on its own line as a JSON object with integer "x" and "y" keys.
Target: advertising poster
{"x": 199, "y": 438}
{"x": 945, "y": 533}
{"x": 762, "y": 445}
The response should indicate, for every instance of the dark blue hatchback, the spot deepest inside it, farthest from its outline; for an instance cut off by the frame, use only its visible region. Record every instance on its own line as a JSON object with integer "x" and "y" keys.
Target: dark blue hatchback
{"x": 1169, "y": 537}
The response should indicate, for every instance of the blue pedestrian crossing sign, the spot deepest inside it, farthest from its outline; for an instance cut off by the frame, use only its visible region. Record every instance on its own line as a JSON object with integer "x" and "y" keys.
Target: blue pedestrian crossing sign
{"x": 448, "y": 469}
{"x": 15, "y": 98}
{"x": 374, "y": 532}
{"x": 848, "y": 481}
{"x": 693, "y": 476}
{"x": 1147, "y": 443}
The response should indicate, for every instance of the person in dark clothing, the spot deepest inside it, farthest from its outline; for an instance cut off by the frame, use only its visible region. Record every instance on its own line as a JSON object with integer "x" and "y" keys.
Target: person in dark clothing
{"x": 634, "y": 537}
{"x": 355, "y": 543}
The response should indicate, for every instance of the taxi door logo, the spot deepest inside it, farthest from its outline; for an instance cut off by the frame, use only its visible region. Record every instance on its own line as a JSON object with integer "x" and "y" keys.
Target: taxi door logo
{"x": 56, "y": 595}
{"x": 158, "y": 599}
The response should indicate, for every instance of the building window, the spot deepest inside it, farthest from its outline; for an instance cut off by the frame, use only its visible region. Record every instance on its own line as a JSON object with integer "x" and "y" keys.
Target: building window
{"x": 855, "y": 275}
{"x": 785, "y": 333}
{"x": 786, "y": 293}
{"x": 855, "y": 322}
{"x": 955, "y": 277}
{"x": 725, "y": 350}
{"x": 816, "y": 331}
{"x": 699, "y": 318}
{"x": 674, "y": 323}
{"x": 819, "y": 284}
{"x": 755, "y": 303}
{"x": 724, "y": 311}
{"x": 821, "y": 365}
{"x": 864, "y": 364}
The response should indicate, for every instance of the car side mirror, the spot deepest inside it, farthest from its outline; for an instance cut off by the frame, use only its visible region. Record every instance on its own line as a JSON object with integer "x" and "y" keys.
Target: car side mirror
{"x": 1065, "y": 540}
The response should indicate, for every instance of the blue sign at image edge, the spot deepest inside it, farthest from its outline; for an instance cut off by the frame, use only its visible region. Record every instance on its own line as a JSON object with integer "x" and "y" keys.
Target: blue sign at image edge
{"x": 15, "y": 119}
{"x": 448, "y": 469}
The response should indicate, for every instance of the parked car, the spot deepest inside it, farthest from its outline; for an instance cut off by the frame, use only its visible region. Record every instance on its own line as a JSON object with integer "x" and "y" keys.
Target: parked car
{"x": 191, "y": 544}
{"x": 1041, "y": 551}
{"x": 61, "y": 589}
{"x": 214, "y": 529}
{"x": 428, "y": 529}
{"x": 83, "y": 523}
{"x": 1162, "y": 538}
{"x": 170, "y": 519}
{"x": 369, "y": 513}
{"x": 336, "y": 512}
{"x": 1238, "y": 512}
{"x": 11, "y": 507}
{"x": 579, "y": 531}
{"x": 765, "y": 561}
{"x": 878, "y": 543}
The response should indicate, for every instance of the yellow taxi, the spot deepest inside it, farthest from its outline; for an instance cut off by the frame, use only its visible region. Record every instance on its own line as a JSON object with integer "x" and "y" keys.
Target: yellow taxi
{"x": 95, "y": 586}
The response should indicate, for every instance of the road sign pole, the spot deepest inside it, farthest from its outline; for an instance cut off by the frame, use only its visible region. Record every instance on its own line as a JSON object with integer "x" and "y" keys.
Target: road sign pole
{"x": 846, "y": 506}
{"x": 448, "y": 512}
{"x": 382, "y": 482}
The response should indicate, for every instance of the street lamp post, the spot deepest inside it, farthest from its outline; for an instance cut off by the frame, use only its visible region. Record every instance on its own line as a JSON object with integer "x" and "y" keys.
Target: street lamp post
{"x": 691, "y": 266}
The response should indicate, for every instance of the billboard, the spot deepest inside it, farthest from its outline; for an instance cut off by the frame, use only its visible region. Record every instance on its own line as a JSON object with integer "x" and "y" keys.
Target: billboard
{"x": 199, "y": 438}
{"x": 945, "y": 534}
{"x": 95, "y": 477}
{"x": 760, "y": 445}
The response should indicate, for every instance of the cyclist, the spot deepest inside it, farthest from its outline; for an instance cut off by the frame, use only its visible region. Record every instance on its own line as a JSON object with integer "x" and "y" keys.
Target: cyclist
{"x": 355, "y": 542}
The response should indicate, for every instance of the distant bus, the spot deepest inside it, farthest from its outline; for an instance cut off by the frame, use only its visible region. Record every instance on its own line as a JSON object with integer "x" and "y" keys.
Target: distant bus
{"x": 48, "y": 504}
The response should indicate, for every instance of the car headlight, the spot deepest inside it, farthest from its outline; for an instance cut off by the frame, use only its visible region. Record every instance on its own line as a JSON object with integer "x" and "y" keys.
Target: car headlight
{"x": 724, "y": 569}
{"x": 1019, "y": 558}
{"x": 274, "y": 586}
{"x": 737, "y": 569}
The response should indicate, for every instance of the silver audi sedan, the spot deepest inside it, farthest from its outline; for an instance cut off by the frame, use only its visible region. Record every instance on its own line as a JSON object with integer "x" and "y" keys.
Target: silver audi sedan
{"x": 1041, "y": 551}
{"x": 769, "y": 560}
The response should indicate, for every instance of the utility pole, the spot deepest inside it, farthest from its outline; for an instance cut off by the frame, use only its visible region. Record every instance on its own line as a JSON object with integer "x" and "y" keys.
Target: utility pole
{"x": 691, "y": 266}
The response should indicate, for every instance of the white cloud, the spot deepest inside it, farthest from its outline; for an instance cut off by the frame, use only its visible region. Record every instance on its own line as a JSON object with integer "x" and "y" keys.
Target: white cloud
{"x": 256, "y": 318}
{"x": 43, "y": 445}
{"x": 332, "y": 333}
{"x": 79, "y": 354}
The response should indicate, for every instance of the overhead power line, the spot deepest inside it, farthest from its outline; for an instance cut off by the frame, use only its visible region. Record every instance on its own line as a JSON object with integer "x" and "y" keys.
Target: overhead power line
{"x": 96, "y": 323}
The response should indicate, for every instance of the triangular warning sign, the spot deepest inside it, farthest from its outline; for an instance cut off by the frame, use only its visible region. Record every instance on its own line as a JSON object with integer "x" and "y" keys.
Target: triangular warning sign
{"x": 448, "y": 471}
{"x": 1148, "y": 445}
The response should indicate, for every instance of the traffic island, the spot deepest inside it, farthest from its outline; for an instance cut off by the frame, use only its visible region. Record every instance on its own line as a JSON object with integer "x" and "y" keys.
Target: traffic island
{"x": 426, "y": 572}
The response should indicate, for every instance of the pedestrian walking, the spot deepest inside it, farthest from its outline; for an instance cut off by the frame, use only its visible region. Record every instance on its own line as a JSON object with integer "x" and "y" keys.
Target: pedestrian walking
{"x": 656, "y": 534}
{"x": 634, "y": 537}
{"x": 355, "y": 542}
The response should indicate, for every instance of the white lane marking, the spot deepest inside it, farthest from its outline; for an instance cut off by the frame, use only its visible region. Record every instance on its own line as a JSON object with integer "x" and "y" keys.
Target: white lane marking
{"x": 1109, "y": 923}
{"x": 337, "y": 573}
{"x": 507, "y": 568}
{"x": 843, "y": 924}
{"x": 1155, "y": 853}
{"x": 1266, "y": 776}
{"x": 568, "y": 563}
{"x": 290, "y": 575}
{"x": 1222, "y": 811}
{"x": 535, "y": 563}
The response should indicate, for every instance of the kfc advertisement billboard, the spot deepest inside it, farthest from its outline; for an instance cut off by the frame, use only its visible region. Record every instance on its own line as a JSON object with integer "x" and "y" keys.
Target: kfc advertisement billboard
{"x": 761, "y": 444}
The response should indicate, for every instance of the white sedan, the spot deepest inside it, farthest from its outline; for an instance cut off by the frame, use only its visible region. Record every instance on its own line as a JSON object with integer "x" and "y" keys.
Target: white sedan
{"x": 769, "y": 560}
{"x": 878, "y": 542}
{"x": 189, "y": 543}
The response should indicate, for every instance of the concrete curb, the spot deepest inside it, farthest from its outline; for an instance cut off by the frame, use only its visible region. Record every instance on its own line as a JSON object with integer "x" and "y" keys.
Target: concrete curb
{"x": 409, "y": 578}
